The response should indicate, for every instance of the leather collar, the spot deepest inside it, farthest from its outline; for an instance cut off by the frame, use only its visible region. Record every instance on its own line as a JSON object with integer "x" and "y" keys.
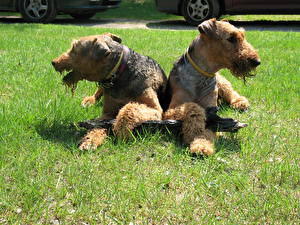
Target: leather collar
{"x": 118, "y": 69}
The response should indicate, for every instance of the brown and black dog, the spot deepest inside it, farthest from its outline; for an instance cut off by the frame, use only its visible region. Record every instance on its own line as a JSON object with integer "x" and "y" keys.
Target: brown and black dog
{"x": 194, "y": 84}
{"x": 132, "y": 84}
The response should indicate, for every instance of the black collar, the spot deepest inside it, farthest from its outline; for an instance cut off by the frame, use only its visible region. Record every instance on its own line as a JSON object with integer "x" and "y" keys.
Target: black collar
{"x": 116, "y": 72}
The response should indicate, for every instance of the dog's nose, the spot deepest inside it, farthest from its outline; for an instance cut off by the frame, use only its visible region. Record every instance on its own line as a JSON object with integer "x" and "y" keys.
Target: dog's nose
{"x": 53, "y": 63}
{"x": 254, "y": 62}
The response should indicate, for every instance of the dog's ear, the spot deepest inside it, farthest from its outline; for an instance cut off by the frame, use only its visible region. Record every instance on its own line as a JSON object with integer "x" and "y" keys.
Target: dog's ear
{"x": 99, "y": 49}
{"x": 74, "y": 43}
{"x": 75, "y": 46}
{"x": 114, "y": 37}
{"x": 208, "y": 27}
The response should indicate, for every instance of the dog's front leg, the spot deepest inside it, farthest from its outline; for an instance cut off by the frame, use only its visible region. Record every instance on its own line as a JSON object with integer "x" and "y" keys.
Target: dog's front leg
{"x": 91, "y": 100}
{"x": 226, "y": 91}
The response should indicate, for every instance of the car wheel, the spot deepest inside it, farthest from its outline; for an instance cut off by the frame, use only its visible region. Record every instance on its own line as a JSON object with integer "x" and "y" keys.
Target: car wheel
{"x": 37, "y": 11}
{"x": 83, "y": 16}
{"x": 196, "y": 11}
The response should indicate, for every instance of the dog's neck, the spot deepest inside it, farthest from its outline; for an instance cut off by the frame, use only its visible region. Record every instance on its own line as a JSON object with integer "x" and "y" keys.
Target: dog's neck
{"x": 117, "y": 70}
{"x": 199, "y": 53}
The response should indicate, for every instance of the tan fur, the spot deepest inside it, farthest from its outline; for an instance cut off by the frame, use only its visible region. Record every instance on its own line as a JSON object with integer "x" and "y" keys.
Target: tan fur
{"x": 203, "y": 144}
{"x": 132, "y": 115}
{"x": 226, "y": 92}
{"x": 93, "y": 139}
{"x": 150, "y": 99}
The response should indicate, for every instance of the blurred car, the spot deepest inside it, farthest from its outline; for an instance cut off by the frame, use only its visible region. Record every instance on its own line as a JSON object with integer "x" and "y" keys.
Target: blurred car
{"x": 196, "y": 11}
{"x": 44, "y": 11}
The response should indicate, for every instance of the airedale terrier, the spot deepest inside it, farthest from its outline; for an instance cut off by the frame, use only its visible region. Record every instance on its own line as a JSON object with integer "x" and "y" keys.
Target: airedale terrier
{"x": 195, "y": 85}
{"x": 132, "y": 84}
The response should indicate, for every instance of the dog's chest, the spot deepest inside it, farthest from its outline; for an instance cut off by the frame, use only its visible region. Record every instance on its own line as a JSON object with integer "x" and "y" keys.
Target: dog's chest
{"x": 194, "y": 83}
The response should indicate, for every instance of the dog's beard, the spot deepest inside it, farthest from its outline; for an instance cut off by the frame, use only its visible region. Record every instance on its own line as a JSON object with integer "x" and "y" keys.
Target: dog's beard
{"x": 242, "y": 69}
{"x": 71, "y": 79}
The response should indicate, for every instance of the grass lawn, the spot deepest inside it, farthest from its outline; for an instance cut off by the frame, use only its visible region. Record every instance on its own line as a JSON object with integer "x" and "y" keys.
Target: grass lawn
{"x": 44, "y": 179}
{"x": 136, "y": 9}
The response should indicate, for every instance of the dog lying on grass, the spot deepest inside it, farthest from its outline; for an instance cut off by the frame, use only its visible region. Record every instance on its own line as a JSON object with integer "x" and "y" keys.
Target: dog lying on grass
{"x": 194, "y": 84}
{"x": 132, "y": 84}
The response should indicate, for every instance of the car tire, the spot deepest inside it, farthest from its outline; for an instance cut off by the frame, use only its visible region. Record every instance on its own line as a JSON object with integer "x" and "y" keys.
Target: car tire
{"x": 82, "y": 16}
{"x": 196, "y": 11}
{"x": 42, "y": 11}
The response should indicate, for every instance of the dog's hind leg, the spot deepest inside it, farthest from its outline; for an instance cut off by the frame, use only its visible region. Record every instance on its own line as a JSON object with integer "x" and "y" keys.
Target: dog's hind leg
{"x": 132, "y": 115}
{"x": 226, "y": 92}
{"x": 145, "y": 108}
{"x": 93, "y": 139}
{"x": 193, "y": 127}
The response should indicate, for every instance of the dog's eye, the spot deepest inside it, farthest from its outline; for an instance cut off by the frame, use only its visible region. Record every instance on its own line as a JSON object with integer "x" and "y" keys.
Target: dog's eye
{"x": 232, "y": 39}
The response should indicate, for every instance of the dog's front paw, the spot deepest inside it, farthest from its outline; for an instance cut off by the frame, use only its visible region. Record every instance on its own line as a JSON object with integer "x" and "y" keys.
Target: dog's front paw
{"x": 201, "y": 147}
{"x": 88, "y": 101}
{"x": 240, "y": 103}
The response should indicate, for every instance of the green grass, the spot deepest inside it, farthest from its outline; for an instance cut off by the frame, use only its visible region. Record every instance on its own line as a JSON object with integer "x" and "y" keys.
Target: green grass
{"x": 44, "y": 179}
{"x": 136, "y": 9}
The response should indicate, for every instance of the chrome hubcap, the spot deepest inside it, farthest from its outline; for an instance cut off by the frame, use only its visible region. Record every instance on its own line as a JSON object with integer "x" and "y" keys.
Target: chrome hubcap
{"x": 36, "y": 9}
{"x": 198, "y": 9}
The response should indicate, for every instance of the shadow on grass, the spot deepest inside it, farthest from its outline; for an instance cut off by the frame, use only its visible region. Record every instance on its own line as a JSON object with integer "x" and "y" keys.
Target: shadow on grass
{"x": 63, "y": 132}
{"x": 170, "y": 24}
{"x": 229, "y": 144}
{"x": 260, "y": 25}
{"x": 19, "y": 22}
{"x": 67, "y": 134}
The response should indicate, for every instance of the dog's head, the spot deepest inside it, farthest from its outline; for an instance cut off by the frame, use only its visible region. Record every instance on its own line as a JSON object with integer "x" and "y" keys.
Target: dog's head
{"x": 89, "y": 58}
{"x": 229, "y": 48}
